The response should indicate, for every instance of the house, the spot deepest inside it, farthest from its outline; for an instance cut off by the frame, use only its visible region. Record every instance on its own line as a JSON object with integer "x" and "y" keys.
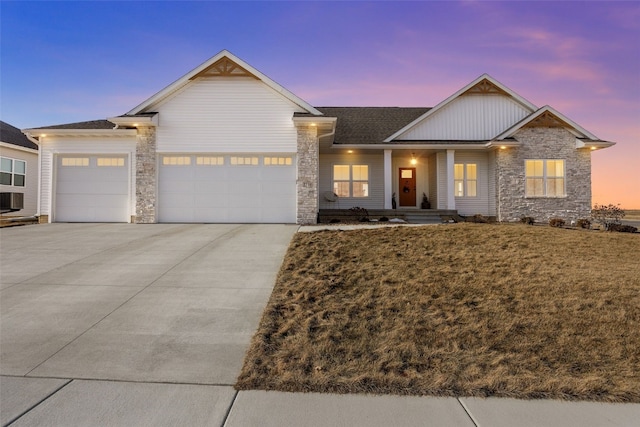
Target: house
{"x": 225, "y": 143}
{"x": 18, "y": 170}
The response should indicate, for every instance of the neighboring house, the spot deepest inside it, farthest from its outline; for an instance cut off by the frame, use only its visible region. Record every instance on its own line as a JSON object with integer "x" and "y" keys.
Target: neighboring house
{"x": 225, "y": 143}
{"x": 19, "y": 168}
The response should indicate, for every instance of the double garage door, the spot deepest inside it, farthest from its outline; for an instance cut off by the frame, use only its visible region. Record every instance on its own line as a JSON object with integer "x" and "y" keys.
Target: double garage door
{"x": 223, "y": 188}
{"x": 191, "y": 188}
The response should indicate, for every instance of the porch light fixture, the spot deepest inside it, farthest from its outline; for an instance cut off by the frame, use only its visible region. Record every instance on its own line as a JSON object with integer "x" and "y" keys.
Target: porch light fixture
{"x": 350, "y": 151}
{"x": 593, "y": 147}
{"x": 414, "y": 161}
{"x": 503, "y": 147}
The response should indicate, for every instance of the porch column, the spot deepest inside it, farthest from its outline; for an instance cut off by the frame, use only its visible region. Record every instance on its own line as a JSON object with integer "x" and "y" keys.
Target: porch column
{"x": 451, "y": 199}
{"x": 388, "y": 179}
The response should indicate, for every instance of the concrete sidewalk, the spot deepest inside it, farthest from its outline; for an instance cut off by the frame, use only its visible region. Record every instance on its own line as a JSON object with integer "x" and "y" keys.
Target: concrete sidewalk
{"x": 122, "y": 325}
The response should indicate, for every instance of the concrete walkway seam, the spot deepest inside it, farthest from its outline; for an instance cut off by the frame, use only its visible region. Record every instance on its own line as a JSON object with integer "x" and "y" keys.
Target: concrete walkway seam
{"x": 32, "y": 407}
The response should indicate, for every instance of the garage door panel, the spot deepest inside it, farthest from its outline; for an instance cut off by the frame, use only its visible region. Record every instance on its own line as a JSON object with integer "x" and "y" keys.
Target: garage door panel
{"x": 210, "y": 187}
{"x": 86, "y": 192}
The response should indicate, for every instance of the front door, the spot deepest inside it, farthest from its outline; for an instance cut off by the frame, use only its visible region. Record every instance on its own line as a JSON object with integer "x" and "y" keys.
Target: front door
{"x": 407, "y": 186}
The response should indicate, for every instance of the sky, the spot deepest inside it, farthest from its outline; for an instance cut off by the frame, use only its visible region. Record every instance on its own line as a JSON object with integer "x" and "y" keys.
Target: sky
{"x": 62, "y": 62}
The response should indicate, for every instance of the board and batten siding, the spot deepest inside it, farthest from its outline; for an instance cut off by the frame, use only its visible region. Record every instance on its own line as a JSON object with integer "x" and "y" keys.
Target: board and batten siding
{"x": 226, "y": 115}
{"x": 52, "y": 147}
{"x": 469, "y": 118}
{"x": 492, "y": 180}
{"x": 376, "y": 180}
{"x": 480, "y": 203}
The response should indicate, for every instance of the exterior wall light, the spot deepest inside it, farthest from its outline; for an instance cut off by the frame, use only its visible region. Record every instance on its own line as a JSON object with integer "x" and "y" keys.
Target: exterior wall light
{"x": 414, "y": 161}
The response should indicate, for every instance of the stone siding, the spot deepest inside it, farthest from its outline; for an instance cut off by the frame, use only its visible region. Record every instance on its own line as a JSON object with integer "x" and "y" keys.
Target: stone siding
{"x": 146, "y": 176}
{"x": 543, "y": 143}
{"x": 307, "y": 181}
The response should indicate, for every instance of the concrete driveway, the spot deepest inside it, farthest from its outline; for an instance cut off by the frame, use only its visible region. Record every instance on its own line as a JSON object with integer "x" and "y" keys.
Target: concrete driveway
{"x": 153, "y": 319}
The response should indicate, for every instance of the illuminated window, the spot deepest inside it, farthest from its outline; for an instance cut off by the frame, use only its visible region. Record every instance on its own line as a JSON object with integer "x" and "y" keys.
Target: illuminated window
{"x": 210, "y": 160}
{"x": 75, "y": 161}
{"x": 110, "y": 161}
{"x": 12, "y": 172}
{"x": 465, "y": 179}
{"x": 544, "y": 178}
{"x": 176, "y": 160}
{"x": 351, "y": 180}
{"x": 246, "y": 161}
{"x": 278, "y": 161}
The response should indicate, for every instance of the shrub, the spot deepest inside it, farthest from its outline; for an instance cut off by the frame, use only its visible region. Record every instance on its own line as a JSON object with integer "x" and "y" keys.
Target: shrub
{"x": 383, "y": 219}
{"x": 622, "y": 228}
{"x": 556, "y": 222}
{"x": 477, "y": 218}
{"x": 360, "y": 213}
{"x": 583, "y": 223}
{"x": 608, "y": 215}
{"x": 529, "y": 220}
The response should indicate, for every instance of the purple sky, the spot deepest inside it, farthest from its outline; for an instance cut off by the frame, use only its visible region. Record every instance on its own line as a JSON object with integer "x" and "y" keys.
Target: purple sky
{"x": 71, "y": 61}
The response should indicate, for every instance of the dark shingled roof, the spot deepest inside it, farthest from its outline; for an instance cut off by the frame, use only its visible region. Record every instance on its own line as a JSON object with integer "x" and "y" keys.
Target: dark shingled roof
{"x": 91, "y": 124}
{"x": 370, "y": 125}
{"x": 13, "y": 135}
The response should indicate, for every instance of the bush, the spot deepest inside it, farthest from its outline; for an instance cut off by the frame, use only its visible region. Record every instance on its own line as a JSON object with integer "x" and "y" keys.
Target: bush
{"x": 383, "y": 219}
{"x": 529, "y": 220}
{"x": 607, "y": 216}
{"x": 556, "y": 222}
{"x": 360, "y": 213}
{"x": 622, "y": 228}
{"x": 583, "y": 223}
{"x": 477, "y": 218}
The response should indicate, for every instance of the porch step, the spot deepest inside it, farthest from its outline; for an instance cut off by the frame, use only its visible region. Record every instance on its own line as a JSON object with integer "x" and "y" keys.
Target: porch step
{"x": 413, "y": 216}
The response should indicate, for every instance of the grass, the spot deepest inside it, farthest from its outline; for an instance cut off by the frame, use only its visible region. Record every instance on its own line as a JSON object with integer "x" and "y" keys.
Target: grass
{"x": 455, "y": 310}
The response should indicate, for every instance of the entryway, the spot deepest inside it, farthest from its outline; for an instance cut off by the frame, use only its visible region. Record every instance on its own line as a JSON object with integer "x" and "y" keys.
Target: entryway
{"x": 407, "y": 186}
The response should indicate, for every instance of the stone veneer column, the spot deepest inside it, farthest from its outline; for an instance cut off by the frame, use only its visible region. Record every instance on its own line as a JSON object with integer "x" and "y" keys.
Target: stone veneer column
{"x": 543, "y": 143}
{"x": 146, "y": 177}
{"x": 307, "y": 182}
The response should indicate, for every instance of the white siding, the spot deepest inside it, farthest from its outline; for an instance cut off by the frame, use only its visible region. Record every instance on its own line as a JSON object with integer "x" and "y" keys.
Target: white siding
{"x": 376, "y": 180}
{"x": 433, "y": 181}
{"x": 30, "y": 189}
{"x": 226, "y": 115}
{"x": 441, "y": 166}
{"x": 469, "y": 117}
{"x": 480, "y": 203}
{"x": 51, "y": 146}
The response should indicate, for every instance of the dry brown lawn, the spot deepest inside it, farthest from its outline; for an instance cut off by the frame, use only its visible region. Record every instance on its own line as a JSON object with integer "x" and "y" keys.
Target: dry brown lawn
{"x": 454, "y": 310}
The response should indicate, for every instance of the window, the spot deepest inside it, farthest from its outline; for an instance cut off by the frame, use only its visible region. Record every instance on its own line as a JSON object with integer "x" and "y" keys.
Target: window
{"x": 12, "y": 172}
{"x": 278, "y": 161}
{"x": 210, "y": 160}
{"x": 465, "y": 179}
{"x": 351, "y": 180}
{"x": 110, "y": 161}
{"x": 247, "y": 161}
{"x": 544, "y": 178}
{"x": 75, "y": 161}
{"x": 176, "y": 160}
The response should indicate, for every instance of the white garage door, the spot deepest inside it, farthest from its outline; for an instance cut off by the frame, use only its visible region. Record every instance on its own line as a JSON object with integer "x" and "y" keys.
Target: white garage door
{"x": 227, "y": 188}
{"x": 92, "y": 189}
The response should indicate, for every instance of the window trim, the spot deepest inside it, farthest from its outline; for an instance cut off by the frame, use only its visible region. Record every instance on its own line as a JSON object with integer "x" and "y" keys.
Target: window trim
{"x": 351, "y": 181}
{"x": 12, "y": 173}
{"x": 545, "y": 177}
{"x": 465, "y": 180}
